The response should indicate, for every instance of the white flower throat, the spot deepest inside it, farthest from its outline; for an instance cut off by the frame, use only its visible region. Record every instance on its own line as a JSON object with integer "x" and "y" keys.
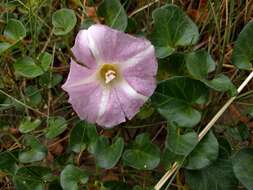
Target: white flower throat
{"x": 109, "y": 76}
{"x": 109, "y": 73}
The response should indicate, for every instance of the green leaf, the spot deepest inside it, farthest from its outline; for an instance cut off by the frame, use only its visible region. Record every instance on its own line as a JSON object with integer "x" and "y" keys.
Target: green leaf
{"x": 32, "y": 178}
{"x": 15, "y": 30}
{"x": 243, "y": 52}
{"x": 199, "y": 64}
{"x": 180, "y": 144}
{"x": 56, "y": 126}
{"x": 27, "y": 125}
{"x": 50, "y": 80}
{"x": 243, "y": 167}
{"x": 33, "y": 95}
{"x": 169, "y": 157}
{"x": 8, "y": 161}
{"x": 218, "y": 176}
{"x": 71, "y": 176}
{"x": 221, "y": 83}
{"x": 174, "y": 99}
{"x": 27, "y": 67}
{"x": 114, "y": 14}
{"x": 63, "y": 20}
{"x": 172, "y": 28}
{"x": 4, "y": 46}
{"x": 204, "y": 153}
{"x": 142, "y": 155}
{"x": 83, "y": 135}
{"x": 107, "y": 155}
{"x": 46, "y": 59}
{"x": 35, "y": 151}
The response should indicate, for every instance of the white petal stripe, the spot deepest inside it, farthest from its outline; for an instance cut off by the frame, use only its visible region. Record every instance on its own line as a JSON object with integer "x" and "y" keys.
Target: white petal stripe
{"x": 103, "y": 102}
{"x": 129, "y": 90}
{"x": 137, "y": 58}
{"x": 93, "y": 47}
{"x": 91, "y": 78}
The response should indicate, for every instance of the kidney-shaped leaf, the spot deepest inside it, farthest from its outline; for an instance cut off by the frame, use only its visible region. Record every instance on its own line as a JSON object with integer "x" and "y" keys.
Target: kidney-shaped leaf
{"x": 143, "y": 155}
{"x": 199, "y": 64}
{"x": 32, "y": 177}
{"x": 221, "y": 83}
{"x": 180, "y": 144}
{"x": 114, "y": 14}
{"x": 243, "y": 167}
{"x": 56, "y": 125}
{"x": 219, "y": 176}
{"x": 107, "y": 155}
{"x": 8, "y": 160}
{"x": 83, "y": 135}
{"x": 63, "y": 20}
{"x": 243, "y": 51}
{"x": 204, "y": 153}
{"x": 35, "y": 151}
{"x": 14, "y": 32}
{"x": 71, "y": 176}
{"x": 27, "y": 67}
{"x": 27, "y": 125}
{"x": 174, "y": 99}
{"x": 172, "y": 28}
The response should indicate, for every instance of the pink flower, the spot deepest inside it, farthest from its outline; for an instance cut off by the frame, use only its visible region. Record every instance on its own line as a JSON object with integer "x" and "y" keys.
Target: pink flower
{"x": 117, "y": 79}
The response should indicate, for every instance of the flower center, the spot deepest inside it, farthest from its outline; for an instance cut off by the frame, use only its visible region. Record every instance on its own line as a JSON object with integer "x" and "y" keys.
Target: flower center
{"x": 108, "y": 73}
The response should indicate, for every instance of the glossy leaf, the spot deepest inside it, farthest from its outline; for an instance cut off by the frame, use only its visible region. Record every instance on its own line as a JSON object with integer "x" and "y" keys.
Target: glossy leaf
{"x": 174, "y": 99}
{"x": 180, "y": 144}
{"x": 27, "y": 67}
{"x": 50, "y": 80}
{"x": 172, "y": 28}
{"x": 243, "y": 167}
{"x": 27, "y": 125}
{"x": 199, "y": 64}
{"x": 107, "y": 155}
{"x": 218, "y": 175}
{"x": 204, "y": 153}
{"x": 243, "y": 52}
{"x": 221, "y": 83}
{"x": 35, "y": 151}
{"x": 33, "y": 95}
{"x": 143, "y": 154}
{"x": 83, "y": 135}
{"x": 32, "y": 178}
{"x": 63, "y": 20}
{"x": 8, "y": 161}
{"x": 169, "y": 157}
{"x": 15, "y": 30}
{"x": 114, "y": 14}
{"x": 56, "y": 126}
{"x": 71, "y": 176}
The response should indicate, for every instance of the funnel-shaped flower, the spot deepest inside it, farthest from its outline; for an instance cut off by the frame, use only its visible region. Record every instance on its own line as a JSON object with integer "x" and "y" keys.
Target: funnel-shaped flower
{"x": 117, "y": 79}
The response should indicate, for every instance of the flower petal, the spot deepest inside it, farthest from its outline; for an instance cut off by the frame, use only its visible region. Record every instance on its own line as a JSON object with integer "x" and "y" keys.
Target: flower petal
{"x": 84, "y": 91}
{"x": 140, "y": 73}
{"x": 130, "y": 100}
{"x": 85, "y": 101}
{"x": 112, "y": 46}
{"x": 113, "y": 115}
{"x": 81, "y": 50}
{"x": 145, "y": 86}
{"x": 78, "y": 75}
